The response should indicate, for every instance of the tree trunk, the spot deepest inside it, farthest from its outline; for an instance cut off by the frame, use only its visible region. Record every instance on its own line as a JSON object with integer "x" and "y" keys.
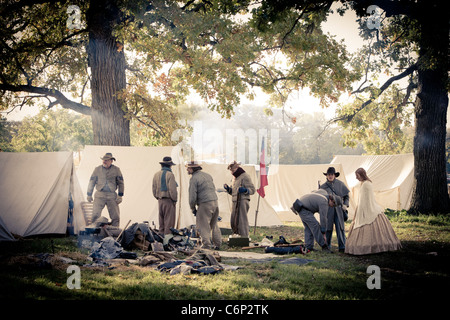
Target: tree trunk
{"x": 107, "y": 63}
{"x": 430, "y": 193}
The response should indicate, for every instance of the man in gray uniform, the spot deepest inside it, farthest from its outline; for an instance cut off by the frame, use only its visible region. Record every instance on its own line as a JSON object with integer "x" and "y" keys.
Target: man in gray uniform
{"x": 202, "y": 193}
{"x": 336, "y": 214}
{"x": 164, "y": 189}
{"x": 317, "y": 201}
{"x": 106, "y": 179}
{"x": 240, "y": 192}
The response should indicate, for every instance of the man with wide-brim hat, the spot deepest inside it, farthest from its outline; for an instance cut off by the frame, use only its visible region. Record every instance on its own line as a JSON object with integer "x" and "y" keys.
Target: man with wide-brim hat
{"x": 106, "y": 179}
{"x": 108, "y": 156}
{"x": 167, "y": 161}
{"x": 193, "y": 166}
{"x": 203, "y": 202}
{"x": 240, "y": 191}
{"x": 338, "y": 214}
{"x": 165, "y": 191}
{"x": 331, "y": 171}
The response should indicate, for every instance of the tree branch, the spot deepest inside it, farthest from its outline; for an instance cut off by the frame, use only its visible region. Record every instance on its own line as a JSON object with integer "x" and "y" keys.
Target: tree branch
{"x": 17, "y": 5}
{"x": 360, "y": 88}
{"x": 60, "y": 98}
{"x": 386, "y": 85}
{"x": 283, "y": 41}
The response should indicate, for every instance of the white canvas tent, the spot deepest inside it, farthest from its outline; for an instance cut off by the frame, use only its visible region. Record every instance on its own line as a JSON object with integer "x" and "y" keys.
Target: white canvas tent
{"x": 267, "y": 216}
{"x": 34, "y": 193}
{"x": 5, "y": 235}
{"x": 391, "y": 175}
{"x": 288, "y": 182}
{"x": 138, "y": 166}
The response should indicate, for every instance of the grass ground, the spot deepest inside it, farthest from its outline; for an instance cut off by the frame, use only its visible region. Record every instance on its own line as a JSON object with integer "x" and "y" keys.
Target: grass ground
{"x": 418, "y": 271}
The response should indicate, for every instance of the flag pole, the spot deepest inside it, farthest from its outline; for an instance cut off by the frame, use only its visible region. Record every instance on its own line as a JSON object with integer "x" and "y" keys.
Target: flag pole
{"x": 256, "y": 214}
{"x": 262, "y": 164}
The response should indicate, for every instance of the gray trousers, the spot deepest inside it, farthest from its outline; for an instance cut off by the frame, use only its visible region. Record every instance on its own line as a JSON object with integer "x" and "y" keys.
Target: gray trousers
{"x": 102, "y": 198}
{"x": 333, "y": 219}
{"x": 167, "y": 215}
{"x": 206, "y": 220}
{"x": 242, "y": 223}
{"x": 312, "y": 229}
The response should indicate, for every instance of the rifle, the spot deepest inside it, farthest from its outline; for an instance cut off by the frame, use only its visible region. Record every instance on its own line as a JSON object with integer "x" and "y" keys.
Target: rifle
{"x": 150, "y": 233}
{"x": 189, "y": 237}
{"x": 344, "y": 212}
{"x": 236, "y": 211}
{"x": 118, "y": 237}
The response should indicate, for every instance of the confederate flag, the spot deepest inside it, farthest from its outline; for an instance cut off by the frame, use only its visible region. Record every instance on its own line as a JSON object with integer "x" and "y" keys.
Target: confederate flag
{"x": 262, "y": 171}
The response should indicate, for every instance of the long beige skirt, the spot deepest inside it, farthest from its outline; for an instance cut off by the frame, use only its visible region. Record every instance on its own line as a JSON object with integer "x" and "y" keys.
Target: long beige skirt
{"x": 379, "y": 236}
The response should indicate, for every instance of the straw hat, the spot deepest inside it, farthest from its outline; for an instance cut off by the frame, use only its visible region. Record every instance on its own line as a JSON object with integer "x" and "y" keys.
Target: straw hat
{"x": 108, "y": 156}
{"x": 193, "y": 164}
{"x": 233, "y": 165}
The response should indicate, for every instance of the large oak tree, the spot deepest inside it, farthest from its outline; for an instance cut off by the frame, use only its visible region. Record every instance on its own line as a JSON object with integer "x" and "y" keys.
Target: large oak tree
{"x": 420, "y": 27}
{"x": 137, "y": 60}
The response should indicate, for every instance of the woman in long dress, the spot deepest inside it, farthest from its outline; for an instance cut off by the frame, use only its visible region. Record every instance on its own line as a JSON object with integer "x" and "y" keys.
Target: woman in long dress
{"x": 370, "y": 231}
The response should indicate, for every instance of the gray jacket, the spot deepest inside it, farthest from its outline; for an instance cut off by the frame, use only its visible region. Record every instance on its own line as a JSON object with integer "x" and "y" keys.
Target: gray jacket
{"x": 201, "y": 189}
{"x": 106, "y": 180}
{"x": 338, "y": 188}
{"x": 171, "y": 191}
{"x": 316, "y": 202}
{"x": 243, "y": 180}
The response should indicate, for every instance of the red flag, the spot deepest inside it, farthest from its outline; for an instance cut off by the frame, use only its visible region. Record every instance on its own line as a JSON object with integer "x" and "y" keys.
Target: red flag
{"x": 262, "y": 171}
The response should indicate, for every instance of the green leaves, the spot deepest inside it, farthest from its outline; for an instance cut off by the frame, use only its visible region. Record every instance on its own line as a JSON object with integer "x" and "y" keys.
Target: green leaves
{"x": 381, "y": 115}
{"x": 382, "y": 126}
{"x": 173, "y": 48}
{"x": 50, "y": 131}
{"x": 221, "y": 56}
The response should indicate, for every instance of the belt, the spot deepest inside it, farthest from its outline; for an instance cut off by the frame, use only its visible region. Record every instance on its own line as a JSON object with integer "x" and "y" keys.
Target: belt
{"x": 303, "y": 207}
{"x": 105, "y": 191}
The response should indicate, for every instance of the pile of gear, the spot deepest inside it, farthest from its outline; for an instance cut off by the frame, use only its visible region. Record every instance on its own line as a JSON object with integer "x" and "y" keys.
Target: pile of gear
{"x": 140, "y": 236}
{"x": 201, "y": 262}
{"x": 282, "y": 246}
{"x": 159, "y": 252}
{"x": 143, "y": 237}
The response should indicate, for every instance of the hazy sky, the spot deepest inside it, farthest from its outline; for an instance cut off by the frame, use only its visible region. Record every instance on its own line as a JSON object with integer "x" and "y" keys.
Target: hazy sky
{"x": 343, "y": 28}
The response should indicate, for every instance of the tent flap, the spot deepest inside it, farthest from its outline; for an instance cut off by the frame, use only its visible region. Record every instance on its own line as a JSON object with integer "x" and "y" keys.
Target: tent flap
{"x": 5, "y": 235}
{"x": 34, "y": 192}
{"x": 392, "y": 176}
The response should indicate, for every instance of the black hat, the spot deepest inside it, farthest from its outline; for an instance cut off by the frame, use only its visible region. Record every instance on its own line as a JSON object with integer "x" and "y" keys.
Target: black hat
{"x": 167, "y": 161}
{"x": 332, "y": 170}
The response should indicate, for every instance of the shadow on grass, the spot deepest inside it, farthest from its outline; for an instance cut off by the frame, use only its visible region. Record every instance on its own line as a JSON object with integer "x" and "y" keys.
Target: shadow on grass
{"x": 418, "y": 271}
